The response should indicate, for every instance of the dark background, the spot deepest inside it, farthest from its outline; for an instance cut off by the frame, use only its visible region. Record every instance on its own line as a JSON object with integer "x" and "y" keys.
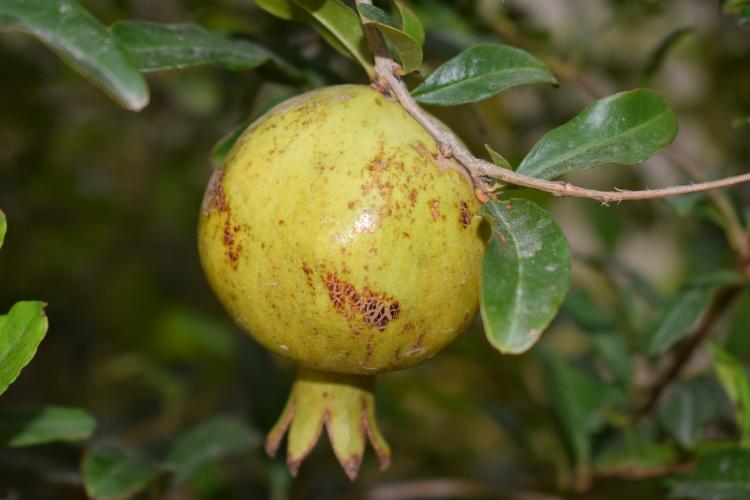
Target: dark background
{"x": 102, "y": 206}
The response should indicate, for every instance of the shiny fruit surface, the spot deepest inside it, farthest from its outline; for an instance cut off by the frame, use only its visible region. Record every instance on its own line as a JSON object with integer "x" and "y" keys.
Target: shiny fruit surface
{"x": 336, "y": 234}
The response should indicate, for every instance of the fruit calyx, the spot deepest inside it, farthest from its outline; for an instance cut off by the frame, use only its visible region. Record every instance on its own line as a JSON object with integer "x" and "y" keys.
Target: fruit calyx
{"x": 345, "y": 404}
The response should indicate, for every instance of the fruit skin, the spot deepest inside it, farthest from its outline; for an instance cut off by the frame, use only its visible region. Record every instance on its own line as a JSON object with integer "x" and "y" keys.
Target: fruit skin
{"x": 336, "y": 235}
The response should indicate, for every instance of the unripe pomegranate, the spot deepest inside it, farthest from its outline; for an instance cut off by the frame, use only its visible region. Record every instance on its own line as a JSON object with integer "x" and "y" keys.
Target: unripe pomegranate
{"x": 336, "y": 235}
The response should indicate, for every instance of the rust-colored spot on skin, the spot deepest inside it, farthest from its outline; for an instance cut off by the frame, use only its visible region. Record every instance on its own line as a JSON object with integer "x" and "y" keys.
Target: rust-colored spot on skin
{"x": 464, "y": 215}
{"x": 368, "y": 353}
{"x": 413, "y": 197}
{"x": 217, "y": 199}
{"x": 281, "y": 222}
{"x": 374, "y": 308}
{"x": 435, "y": 209}
{"x": 308, "y": 275}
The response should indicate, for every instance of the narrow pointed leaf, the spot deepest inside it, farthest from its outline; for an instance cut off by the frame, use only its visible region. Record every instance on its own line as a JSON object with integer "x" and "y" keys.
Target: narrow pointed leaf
{"x": 689, "y": 406}
{"x": 82, "y": 42}
{"x": 677, "y": 317}
{"x": 410, "y": 23}
{"x": 627, "y": 128}
{"x": 158, "y": 46}
{"x": 333, "y": 19}
{"x": 21, "y": 331}
{"x": 734, "y": 379}
{"x": 113, "y": 474}
{"x": 408, "y": 50}
{"x": 481, "y": 72}
{"x": 215, "y": 439}
{"x": 580, "y": 401}
{"x": 32, "y": 426}
{"x": 497, "y": 158}
{"x": 525, "y": 274}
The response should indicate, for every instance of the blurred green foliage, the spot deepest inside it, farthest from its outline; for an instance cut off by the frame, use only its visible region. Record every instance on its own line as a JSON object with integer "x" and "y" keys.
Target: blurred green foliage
{"x": 103, "y": 203}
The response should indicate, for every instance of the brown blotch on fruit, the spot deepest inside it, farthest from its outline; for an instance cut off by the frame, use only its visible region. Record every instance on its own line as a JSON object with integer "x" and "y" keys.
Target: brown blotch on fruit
{"x": 308, "y": 275}
{"x": 374, "y": 308}
{"x": 216, "y": 198}
{"x": 464, "y": 216}
{"x": 435, "y": 208}
{"x": 413, "y": 197}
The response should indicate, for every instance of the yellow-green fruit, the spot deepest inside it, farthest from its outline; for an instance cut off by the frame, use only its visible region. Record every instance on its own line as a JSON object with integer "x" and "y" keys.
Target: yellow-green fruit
{"x": 336, "y": 234}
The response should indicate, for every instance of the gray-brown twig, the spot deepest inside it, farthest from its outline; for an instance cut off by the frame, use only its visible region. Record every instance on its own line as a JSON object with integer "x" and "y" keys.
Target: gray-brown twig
{"x": 386, "y": 75}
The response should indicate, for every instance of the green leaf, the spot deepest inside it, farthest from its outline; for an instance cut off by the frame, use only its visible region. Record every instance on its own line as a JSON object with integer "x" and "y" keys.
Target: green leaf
{"x": 735, "y": 382}
{"x": 21, "y": 331}
{"x": 525, "y": 274}
{"x": 628, "y": 128}
{"x": 410, "y": 23}
{"x": 678, "y": 315}
{"x": 634, "y": 458}
{"x": 497, "y": 158}
{"x": 31, "y": 426}
{"x": 734, "y": 6}
{"x": 741, "y": 121}
{"x": 221, "y": 149}
{"x": 82, "y": 42}
{"x": 689, "y": 407}
{"x": 613, "y": 350}
{"x": 157, "y": 46}
{"x": 112, "y": 474}
{"x": 212, "y": 440}
{"x": 481, "y": 72}
{"x": 580, "y": 401}
{"x": 3, "y": 228}
{"x": 337, "y": 23}
{"x": 724, "y": 475}
{"x": 408, "y": 50}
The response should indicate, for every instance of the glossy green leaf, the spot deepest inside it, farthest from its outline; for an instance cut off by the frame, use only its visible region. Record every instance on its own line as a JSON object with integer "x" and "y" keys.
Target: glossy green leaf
{"x": 525, "y": 274}
{"x": 31, "y": 426}
{"x": 481, "y": 72}
{"x": 82, "y": 42}
{"x": 410, "y": 23}
{"x": 113, "y": 474}
{"x": 689, "y": 406}
{"x": 737, "y": 386}
{"x": 335, "y": 21}
{"x": 723, "y": 475}
{"x": 407, "y": 49}
{"x": 497, "y": 158}
{"x": 3, "y": 228}
{"x": 215, "y": 439}
{"x": 678, "y": 315}
{"x": 580, "y": 401}
{"x": 221, "y": 149}
{"x": 623, "y": 128}
{"x": 21, "y": 331}
{"x": 157, "y": 46}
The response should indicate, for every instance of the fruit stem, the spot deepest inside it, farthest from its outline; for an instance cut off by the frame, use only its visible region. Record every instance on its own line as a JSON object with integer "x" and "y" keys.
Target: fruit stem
{"x": 345, "y": 404}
